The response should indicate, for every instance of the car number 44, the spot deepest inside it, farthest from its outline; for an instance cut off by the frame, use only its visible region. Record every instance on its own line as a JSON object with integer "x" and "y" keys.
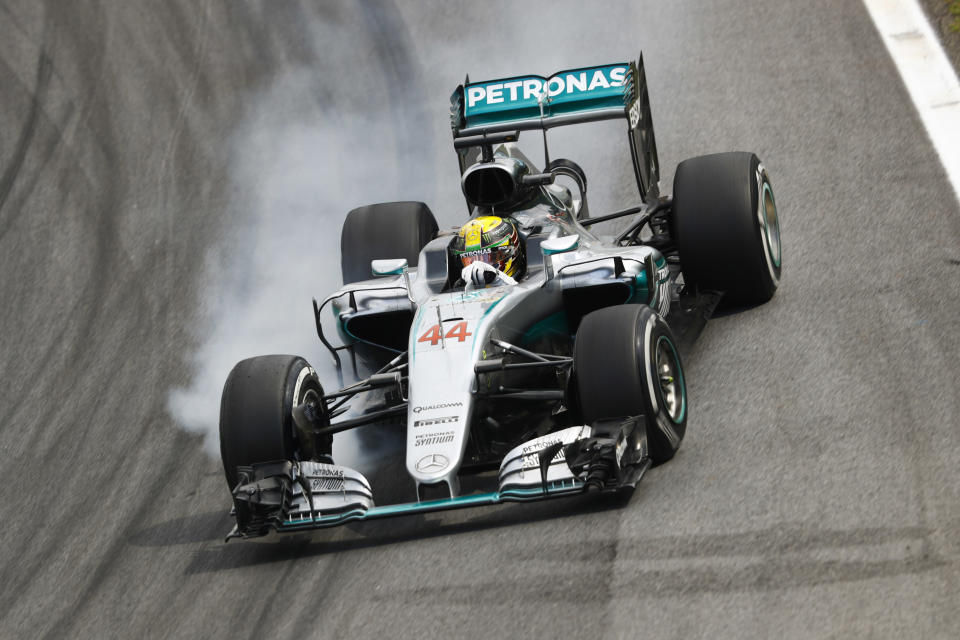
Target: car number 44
{"x": 457, "y": 332}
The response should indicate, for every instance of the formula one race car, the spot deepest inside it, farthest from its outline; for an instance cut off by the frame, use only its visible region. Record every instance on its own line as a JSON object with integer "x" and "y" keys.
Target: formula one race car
{"x": 525, "y": 356}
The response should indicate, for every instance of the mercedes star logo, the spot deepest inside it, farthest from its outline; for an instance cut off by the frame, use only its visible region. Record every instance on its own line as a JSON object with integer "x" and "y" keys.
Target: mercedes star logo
{"x": 432, "y": 463}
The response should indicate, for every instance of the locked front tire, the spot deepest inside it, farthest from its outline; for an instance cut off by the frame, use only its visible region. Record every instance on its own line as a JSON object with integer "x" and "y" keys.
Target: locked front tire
{"x": 256, "y": 419}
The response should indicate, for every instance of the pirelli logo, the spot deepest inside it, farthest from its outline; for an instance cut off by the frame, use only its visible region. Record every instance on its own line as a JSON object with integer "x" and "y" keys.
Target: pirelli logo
{"x": 434, "y": 421}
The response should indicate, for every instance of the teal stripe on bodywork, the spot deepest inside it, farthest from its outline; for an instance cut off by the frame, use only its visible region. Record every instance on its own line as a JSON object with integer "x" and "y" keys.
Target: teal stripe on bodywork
{"x": 554, "y": 324}
{"x": 413, "y": 332}
{"x": 641, "y": 289}
{"x": 555, "y": 489}
{"x": 473, "y": 343}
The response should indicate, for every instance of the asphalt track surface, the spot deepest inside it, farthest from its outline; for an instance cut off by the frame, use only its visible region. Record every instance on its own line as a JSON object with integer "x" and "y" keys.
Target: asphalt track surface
{"x": 816, "y": 493}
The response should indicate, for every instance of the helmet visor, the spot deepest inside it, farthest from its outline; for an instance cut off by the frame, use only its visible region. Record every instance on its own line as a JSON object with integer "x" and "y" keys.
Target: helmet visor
{"x": 495, "y": 256}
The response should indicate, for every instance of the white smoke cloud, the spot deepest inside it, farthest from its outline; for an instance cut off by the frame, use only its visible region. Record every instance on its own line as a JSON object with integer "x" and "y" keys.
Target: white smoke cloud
{"x": 296, "y": 169}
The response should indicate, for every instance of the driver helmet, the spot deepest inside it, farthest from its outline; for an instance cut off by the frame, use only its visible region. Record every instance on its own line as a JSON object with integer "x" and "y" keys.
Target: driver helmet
{"x": 493, "y": 240}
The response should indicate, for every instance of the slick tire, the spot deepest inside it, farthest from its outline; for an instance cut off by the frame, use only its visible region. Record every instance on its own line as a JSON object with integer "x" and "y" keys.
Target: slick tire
{"x": 726, "y": 226}
{"x": 626, "y": 363}
{"x": 383, "y": 231}
{"x": 256, "y": 420}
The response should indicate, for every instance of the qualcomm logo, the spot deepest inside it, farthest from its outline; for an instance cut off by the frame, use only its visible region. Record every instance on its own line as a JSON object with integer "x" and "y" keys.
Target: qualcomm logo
{"x": 442, "y": 405}
{"x": 531, "y": 88}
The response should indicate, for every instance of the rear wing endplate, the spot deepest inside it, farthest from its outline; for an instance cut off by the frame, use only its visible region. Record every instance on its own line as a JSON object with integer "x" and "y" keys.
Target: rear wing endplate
{"x": 590, "y": 94}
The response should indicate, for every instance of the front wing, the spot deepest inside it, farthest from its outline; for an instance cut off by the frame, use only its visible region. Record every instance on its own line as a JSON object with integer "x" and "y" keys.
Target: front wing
{"x": 295, "y": 496}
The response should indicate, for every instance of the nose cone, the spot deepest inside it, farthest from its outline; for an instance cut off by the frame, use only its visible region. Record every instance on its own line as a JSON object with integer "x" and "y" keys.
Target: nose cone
{"x": 446, "y": 339}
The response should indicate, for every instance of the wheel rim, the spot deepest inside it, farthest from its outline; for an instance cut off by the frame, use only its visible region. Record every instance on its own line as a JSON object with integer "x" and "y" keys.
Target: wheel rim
{"x": 670, "y": 378}
{"x": 771, "y": 224}
{"x": 310, "y": 396}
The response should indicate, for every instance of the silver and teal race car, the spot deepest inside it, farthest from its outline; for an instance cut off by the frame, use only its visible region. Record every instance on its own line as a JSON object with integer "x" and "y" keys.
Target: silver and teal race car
{"x": 567, "y": 380}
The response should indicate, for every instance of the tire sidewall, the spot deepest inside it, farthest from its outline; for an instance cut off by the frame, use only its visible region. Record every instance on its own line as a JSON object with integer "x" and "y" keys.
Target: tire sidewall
{"x": 301, "y": 379}
{"x": 659, "y": 424}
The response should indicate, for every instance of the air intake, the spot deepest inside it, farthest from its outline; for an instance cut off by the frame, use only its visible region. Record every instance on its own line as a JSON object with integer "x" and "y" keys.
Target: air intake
{"x": 495, "y": 184}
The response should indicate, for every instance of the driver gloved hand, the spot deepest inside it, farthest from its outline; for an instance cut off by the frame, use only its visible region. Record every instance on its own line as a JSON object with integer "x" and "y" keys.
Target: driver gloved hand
{"x": 480, "y": 274}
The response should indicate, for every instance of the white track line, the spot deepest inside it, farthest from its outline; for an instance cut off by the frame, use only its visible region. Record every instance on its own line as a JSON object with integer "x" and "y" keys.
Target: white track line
{"x": 930, "y": 79}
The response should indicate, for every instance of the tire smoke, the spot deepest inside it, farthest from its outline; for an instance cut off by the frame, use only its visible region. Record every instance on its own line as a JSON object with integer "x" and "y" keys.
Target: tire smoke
{"x": 297, "y": 168}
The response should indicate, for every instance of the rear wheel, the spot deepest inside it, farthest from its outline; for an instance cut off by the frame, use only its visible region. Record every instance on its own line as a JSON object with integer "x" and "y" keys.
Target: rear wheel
{"x": 627, "y": 364}
{"x": 256, "y": 420}
{"x": 382, "y": 231}
{"x": 726, "y": 226}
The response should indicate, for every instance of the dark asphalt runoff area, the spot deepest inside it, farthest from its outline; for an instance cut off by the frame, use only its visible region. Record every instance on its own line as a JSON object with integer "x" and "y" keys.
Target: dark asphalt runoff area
{"x": 154, "y": 154}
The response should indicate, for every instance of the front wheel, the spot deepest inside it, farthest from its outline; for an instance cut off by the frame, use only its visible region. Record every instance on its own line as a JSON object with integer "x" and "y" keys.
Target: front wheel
{"x": 256, "y": 413}
{"x": 627, "y": 364}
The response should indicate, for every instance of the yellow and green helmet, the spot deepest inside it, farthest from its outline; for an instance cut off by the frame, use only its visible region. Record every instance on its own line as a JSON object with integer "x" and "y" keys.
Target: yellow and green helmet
{"x": 493, "y": 240}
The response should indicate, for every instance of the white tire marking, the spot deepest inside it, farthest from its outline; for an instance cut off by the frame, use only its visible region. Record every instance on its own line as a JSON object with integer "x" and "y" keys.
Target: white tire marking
{"x": 647, "y": 330}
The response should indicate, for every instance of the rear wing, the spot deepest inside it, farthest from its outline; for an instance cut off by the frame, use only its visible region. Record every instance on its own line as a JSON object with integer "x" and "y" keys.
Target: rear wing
{"x": 499, "y": 110}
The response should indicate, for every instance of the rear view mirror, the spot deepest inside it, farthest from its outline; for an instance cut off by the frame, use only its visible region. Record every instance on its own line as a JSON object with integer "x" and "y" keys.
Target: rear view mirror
{"x": 553, "y": 246}
{"x": 391, "y": 267}
{"x": 560, "y": 245}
